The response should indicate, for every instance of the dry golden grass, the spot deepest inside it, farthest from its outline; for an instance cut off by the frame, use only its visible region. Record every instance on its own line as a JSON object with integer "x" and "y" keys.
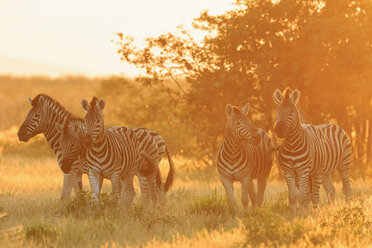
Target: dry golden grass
{"x": 30, "y": 190}
{"x": 196, "y": 213}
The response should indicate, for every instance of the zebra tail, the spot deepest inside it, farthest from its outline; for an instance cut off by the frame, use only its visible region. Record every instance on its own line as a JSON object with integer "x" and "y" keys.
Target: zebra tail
{"x": 170, "y": 177}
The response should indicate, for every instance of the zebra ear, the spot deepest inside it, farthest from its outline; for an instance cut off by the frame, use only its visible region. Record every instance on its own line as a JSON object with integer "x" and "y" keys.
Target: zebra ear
{"x": 245, "y": 109}
{"x": 30, "y": 100}
{"x": 85, "y": 105}
{"x": 278, "y": 96}
{"x": 101, "y": 104}
{"x": 59, "y": 127}
{"x": 296, "y": 96}
{"x": 41, "y": 99}
{"x": 229, "y": 111}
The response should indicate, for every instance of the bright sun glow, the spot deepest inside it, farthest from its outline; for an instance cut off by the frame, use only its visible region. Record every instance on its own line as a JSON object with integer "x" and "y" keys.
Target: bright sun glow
{"x": 70, "y": 36}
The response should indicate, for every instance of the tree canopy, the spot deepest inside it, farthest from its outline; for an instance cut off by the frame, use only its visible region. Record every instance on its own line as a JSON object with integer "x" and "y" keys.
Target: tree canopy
{"x": 322, "y": 48}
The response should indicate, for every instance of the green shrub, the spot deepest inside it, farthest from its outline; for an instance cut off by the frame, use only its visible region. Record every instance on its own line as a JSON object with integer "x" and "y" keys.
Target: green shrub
{"x": 263, "y": 225}
{"x": 84, "y": 206}
{"x": 42, "y": 232}
{"x": 213, "y": 204}
{"x": 352, "y": 218}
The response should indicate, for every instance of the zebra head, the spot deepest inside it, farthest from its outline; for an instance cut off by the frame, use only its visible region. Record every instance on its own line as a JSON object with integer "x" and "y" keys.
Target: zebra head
{"x": 71, "y": 141}
{"x": 36, "y": 119}
{"x": 239, "y": 126}
{"x": 93, "y": 120}
{"x": 287, "y": 115}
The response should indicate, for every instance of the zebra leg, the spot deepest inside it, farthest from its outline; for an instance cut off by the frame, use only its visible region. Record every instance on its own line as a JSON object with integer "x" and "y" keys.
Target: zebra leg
{"x": 292, "y": 190}
{"x": 228, "y": 185}
{"x": 261, "y": 185}
{"x": 78, "y": 183}
{"x": 304, "y": 190}
{"x": 154, "y": 190}
{"x": 100, "y": 184}
{"x": 316, "y": 181}
{"x": 116, "y": 185}
{"x": 67, "y": 186}
{"x": 245, "y": 189}
{"x": 248, "y": 188}
{"x": 127, "y": 191}
{"x": 145, "y": 190}
{"x": 345, "y": 178}
{"x": 329, "y": 188}
{"x": 94, "y": 179}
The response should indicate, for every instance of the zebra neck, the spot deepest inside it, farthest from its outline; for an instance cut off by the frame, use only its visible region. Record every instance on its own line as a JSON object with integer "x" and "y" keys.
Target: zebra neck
{"x": 55, "y": 115}
{"x": 101, "y": 138}
{"x": 230, "y": 143}
{"x": 295, "y": 136}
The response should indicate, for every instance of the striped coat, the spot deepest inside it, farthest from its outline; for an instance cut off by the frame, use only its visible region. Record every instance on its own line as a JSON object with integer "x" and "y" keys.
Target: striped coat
{"x": 42, "y": 118}
{"x": 72, "y": 146}
{"x": 245, "y": 154}
{"x": 115, "y": 153}
{"x": 309, "y": 153}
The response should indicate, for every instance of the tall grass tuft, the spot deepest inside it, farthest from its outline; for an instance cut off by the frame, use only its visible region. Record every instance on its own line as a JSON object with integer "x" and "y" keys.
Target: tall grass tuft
{"x": 42, "y": 233}
{"x": 263, "y": 225}
{"x": 212, "y": 204}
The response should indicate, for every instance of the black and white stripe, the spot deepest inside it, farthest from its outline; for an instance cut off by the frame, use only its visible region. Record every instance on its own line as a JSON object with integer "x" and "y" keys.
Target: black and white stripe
{"x": 115, "y": 153}
{"x": 72, "y": 147}
{"x": 245, "y": 154}
{"x": 309, "y": 153}
{"x": 42, "y": 118}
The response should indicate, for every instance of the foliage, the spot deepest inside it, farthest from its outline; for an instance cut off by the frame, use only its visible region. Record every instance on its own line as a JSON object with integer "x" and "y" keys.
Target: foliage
{"x": 315, "y": 46}
{"x": 42, "y": 232}
{"x": 267, "y": 226}
{"x": 212, "y": 204}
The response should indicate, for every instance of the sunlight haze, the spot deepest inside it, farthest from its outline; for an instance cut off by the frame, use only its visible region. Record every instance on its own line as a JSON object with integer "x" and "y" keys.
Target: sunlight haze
{"x": 74, "y": 37}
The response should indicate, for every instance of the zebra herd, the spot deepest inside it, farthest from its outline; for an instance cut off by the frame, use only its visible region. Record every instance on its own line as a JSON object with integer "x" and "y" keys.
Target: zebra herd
{"x": 307, "y": 156}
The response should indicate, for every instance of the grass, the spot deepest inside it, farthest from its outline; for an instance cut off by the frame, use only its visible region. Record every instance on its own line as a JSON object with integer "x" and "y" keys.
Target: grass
{"x": 196, "y": 214}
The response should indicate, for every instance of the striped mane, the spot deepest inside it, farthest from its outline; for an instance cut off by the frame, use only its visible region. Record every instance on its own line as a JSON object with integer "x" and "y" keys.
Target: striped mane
{"x": 287, "y": 93}
{"x": 93, "y": 103}
{"x": 55, "y": 103}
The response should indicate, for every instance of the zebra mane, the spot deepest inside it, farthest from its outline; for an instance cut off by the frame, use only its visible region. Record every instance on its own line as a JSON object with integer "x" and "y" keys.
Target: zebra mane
{"x": 301, "y": 115}
{"x": 93, "y": 102}
{"x": 50, "y": 99}
{"x": 287, "y": 93}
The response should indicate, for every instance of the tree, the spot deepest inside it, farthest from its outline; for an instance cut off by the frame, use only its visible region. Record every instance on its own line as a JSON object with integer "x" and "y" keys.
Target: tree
{"x": 322, "y": 48}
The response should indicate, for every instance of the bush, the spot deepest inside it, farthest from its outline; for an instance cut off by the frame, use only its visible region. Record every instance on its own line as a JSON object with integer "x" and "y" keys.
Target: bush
{"x": 263, "y": 225}
{"x": 42, "y": 232}
{"x": 83, "y": 206}
{"x": 212, "y": 204}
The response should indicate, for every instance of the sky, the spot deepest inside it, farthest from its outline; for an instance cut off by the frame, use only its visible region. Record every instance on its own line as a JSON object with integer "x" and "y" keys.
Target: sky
{"x": 58, "y": 37}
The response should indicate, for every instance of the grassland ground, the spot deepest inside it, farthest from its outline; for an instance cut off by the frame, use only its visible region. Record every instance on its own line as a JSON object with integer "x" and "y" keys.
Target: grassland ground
{"x": 196, "y": 213}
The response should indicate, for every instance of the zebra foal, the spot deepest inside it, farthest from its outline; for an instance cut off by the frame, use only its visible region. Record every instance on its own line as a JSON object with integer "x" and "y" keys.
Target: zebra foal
{"x": 115, "y": 153}
{"x": 42, "y": 118}
{"x": 72, "y": 144}
{"x": 309, "y": 153}
{"x": 245, "y": 154}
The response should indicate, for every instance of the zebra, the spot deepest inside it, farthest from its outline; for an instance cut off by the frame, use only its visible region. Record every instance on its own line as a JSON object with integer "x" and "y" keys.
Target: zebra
{"x": 73, "y": 145}
{"x": 41, "y": 118}
{"x": 245, "y": 154}
{"x": 115, "y": 153}
{"x": 309, "y": 153}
